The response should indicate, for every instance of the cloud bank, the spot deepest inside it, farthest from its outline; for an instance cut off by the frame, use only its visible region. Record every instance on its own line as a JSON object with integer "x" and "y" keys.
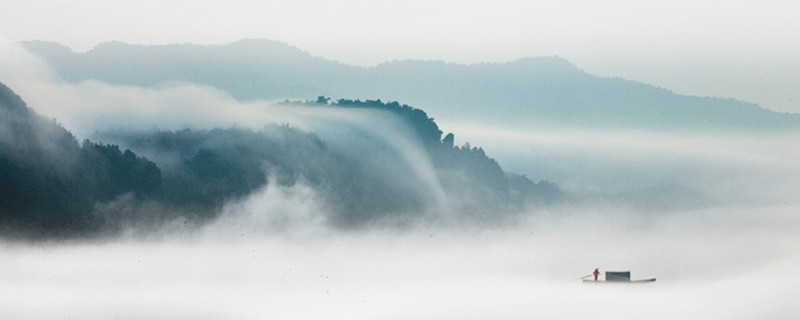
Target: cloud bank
{"x": 718, "y": 266}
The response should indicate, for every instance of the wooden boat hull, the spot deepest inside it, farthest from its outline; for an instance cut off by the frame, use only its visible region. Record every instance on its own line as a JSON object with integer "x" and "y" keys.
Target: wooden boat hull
{"x": 629, "y": 281}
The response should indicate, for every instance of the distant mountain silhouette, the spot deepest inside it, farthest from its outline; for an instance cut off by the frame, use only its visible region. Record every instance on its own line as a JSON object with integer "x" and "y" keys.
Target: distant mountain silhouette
{"x": 247, "y": 69}
{"x": 529, "y": 91}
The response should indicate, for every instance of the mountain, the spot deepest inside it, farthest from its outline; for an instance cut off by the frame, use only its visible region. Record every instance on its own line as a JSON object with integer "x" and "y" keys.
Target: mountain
{"x": 408, "y": 172}
{"x": 529, "y": 91}
{"x": 49, "y": 184}
{"x": 248, "y": 69}
{"x": 52, "y": 186}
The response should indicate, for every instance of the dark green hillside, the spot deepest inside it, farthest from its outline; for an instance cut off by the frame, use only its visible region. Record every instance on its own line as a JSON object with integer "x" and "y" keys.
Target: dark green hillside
{"x": 51, "y": 186}
{"x": 49, "y": 183}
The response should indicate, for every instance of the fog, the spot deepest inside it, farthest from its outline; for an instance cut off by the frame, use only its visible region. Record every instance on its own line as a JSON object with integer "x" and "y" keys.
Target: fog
{"x": 92, "y": 106}
{"x": 710, "y": 265}
{"x": 272, "y": 255}
{"x": 743, "y": 168}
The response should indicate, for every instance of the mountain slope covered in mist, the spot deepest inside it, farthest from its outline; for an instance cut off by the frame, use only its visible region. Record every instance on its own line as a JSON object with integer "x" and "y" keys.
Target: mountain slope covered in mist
{"x": 530, "y": 91}
{"x": 52, "y": 186}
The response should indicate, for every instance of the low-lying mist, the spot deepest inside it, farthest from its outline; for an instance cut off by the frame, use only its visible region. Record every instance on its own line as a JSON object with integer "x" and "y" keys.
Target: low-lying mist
{"x": 724, "y": 264}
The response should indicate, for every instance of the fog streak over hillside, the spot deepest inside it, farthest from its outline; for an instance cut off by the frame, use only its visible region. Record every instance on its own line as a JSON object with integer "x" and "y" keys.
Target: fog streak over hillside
{"x": 366, "y": 133}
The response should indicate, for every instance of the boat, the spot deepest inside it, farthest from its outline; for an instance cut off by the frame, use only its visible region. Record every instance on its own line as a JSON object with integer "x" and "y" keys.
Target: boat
{"x": 619, "y": 277}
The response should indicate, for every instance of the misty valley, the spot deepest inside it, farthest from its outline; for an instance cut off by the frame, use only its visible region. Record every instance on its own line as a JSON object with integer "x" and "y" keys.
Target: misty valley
{"x": 253, "y": 180}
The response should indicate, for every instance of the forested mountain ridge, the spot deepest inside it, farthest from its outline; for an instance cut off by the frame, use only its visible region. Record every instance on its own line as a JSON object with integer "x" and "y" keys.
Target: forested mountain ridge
{"x": 52, "y": 186}
{"x": 528, "y": 91}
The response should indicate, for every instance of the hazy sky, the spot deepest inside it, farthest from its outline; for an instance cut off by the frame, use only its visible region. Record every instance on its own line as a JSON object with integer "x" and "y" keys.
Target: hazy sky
{"x": 741, "y": 49}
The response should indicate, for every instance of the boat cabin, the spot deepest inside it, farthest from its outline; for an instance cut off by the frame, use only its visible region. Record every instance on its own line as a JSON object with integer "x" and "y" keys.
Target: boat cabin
{"x": 612, "y": 276}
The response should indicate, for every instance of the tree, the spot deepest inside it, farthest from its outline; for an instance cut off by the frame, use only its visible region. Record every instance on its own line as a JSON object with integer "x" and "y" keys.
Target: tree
{"x": 448, "y": 141}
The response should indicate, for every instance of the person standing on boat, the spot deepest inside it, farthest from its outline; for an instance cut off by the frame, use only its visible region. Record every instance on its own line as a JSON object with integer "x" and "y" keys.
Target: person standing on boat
{"x": 596, "y": 273}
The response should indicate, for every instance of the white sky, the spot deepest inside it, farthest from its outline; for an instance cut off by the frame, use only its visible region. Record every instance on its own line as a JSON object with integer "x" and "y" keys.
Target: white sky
{"x": 746, "y": 50}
